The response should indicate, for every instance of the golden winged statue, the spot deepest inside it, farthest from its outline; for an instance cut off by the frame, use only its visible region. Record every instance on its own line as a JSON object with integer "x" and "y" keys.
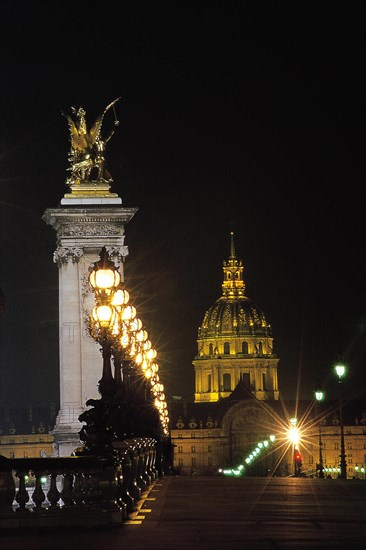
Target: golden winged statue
{"x": 87, "y": 151}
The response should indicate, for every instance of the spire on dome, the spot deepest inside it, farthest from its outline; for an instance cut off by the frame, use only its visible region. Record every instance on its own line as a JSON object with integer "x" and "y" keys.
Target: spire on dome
{"x": 233, "y": 285}
{"x": 232, "y": 246}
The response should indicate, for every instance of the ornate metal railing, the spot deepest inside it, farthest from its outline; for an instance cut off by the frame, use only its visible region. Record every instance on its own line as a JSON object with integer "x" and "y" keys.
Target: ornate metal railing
{"x": 77, "y": 490}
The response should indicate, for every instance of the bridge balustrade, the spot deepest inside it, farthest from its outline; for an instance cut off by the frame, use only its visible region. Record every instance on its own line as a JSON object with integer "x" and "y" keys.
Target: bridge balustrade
{"x": 76, "y": 490}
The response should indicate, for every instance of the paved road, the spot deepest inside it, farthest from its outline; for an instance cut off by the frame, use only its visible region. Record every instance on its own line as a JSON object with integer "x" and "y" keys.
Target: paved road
{"x": 227, "y": 513}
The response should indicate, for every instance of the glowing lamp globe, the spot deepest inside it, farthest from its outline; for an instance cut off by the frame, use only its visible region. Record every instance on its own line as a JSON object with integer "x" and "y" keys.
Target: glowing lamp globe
{"x": 104, "y": 277}
{"x": 340, "y": 370}
{"x": 319, "y": 395}
{"x": 104, "y": 315}
{"x": 120, "y": 298}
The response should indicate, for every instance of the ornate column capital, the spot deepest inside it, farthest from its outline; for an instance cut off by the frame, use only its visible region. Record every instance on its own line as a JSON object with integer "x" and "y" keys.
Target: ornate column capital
{"x": 63, "y": 255}
{"x": 117, "y": 253}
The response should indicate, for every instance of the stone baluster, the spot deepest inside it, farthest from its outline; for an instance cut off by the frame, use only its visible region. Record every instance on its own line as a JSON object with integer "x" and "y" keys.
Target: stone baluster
{"x": 150, "y": 458}
{"x": 145, "y": 469}
{"x": 7, "y": 491}
{"x": 108, "y": 483}
{"x": 133, "y": 488}
{"x": 78, "y": 492}
{"x": 86, "y": 488}
{"x": 159, "y": 460}
{"x": 38, "y": 496}
{"x": 53, "y": 494}
{"x": 140, "y": 465}
{"x": 126, "y": 477}
{"x": 119, "y": 477}
{"x": 67, "y": 490}
{"x": 22, "y": 496}
{"x": 153, "y": 460}
{"x": 94, "y": 492}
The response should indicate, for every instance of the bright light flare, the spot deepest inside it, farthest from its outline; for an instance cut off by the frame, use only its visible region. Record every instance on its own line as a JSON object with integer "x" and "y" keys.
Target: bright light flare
{"x": 294, "y": 436}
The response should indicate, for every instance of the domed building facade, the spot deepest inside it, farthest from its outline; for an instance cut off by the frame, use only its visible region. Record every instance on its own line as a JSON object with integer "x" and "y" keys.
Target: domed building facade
{"x": 235, "y": 383}
{"x": 235, "y": 343}
{"x": 237, "y": 422}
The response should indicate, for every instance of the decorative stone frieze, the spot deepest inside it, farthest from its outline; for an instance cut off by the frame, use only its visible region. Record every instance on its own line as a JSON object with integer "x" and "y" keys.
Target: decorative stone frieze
{"x": 88, "y": 229}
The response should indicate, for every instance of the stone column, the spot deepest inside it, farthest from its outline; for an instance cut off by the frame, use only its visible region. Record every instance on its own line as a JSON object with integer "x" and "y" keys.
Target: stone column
{"x": 83, "y": 227}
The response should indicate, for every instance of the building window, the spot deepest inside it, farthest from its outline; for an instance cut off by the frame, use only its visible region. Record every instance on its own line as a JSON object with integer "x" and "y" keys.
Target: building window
{"x": 209, "y": 449}
{"x": 210, "y": 349}
{"x": 336, "y": 445}
{"x": 264, "y": 381}
{"x": 193, "y": 462}
{"x": 209, "y": 461}
{"x": 349, "y": 446}
{"x": 244, "y": 348}
{"x": 193, "y": 449}
{"x": 226, "y": 348}
{"x": 180, "y": 449}
{"x": 226, "y": 379}
{"x": 209, "y": 382}
{"x": 180, "y": 462}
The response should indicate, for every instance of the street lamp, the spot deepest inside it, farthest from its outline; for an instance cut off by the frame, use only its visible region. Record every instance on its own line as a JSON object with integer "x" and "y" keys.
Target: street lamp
{"x": 341, "y": 372}
{"x": 319, "y": 396}
{"x": 104, "y": 279}
{"x": 294, "y": 437}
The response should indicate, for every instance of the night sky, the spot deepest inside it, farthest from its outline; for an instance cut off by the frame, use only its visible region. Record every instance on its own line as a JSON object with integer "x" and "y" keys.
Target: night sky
{"x": 244, "y": 116}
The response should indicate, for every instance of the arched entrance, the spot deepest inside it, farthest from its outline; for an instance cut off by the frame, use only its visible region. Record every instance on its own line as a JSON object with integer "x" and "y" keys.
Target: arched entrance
{"x": 244, "y": 425}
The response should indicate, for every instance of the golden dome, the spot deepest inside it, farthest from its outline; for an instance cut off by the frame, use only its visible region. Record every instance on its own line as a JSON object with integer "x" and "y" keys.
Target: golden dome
{"x": 233, "y": 314}
{"x": 234, "y": 317}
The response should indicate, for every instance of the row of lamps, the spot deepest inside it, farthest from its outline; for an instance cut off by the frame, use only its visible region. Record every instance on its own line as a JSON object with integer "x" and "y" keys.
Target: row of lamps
{"x": 121, "y": 334}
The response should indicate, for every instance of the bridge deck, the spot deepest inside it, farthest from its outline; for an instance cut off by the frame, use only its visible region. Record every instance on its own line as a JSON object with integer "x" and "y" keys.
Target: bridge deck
{"x": 216, "y": 513}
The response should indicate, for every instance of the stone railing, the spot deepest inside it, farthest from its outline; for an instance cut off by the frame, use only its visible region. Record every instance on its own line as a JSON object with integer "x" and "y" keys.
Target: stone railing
{"x": 77, "y": 490}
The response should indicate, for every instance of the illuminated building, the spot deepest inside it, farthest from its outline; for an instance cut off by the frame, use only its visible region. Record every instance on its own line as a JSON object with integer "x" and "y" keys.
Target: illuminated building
{"x": 235, "y": 343}
{"x": 236, "y": 406}
{"x": 25, "y": 432}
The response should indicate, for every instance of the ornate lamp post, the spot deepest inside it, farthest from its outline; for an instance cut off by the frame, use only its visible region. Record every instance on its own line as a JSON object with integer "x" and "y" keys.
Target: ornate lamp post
{"x": 319, "y": 396}
{"x": 104, "y": 280}
{"x": 341, "y": 371}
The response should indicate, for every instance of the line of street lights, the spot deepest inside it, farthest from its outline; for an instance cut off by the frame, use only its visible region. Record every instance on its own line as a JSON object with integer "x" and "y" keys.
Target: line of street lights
{"x": 135, "y": 388}
{"x": 294, "y": 434}
{"x": 340, "y": 370}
